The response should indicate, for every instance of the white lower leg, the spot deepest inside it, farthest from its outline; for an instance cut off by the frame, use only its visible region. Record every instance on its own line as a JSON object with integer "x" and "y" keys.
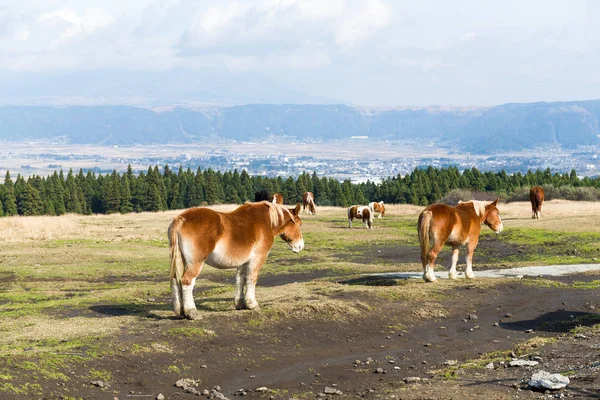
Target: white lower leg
{"x": 240, "y": 279}
{"x": 429, "y": 276}
{"x": 469, "y": 270}
{"x": 175, "y": 290}
{"x": 188, "y": 298}
{"x": 349, "y": 223}
{"x": 452, "y": 273}
{"x": 250, "y": 296}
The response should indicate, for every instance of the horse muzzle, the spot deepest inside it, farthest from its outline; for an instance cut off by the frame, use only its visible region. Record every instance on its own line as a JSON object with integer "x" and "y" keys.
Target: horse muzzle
{"x": 297, "y": 246}
{"x": 500, "y": 228}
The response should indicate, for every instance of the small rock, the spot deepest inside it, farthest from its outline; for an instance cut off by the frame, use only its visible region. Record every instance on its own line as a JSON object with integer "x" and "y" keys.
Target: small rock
{"x": 369, "y": 360}
{"x": 160, "y": 396}
{"x": 490, "y": 365}
{"x": 261, "y": 389}
{"x": 412, "y": 379}
{"x": 545, "y": 380}
{"x": 580, "y": 336}
{"x": 379, "y": 371}
{"x": 205, "y": 392}
{"x": 252, "y": 376}
{"x": 388, "y": 337}
{"x": 331, "y": 390}
{"x": 215, "y": 394}
{"x": 427, "y": 344}
{"x": 537, "y": 358}
{"x": 217, "y": 388}
{"x": 450, "y": 362}
{"x": 391, "y": 361}
{"x": 203, "y": 366}
{"x": 473, "y": 317}
{"x": 357, "y": 362}
{"x": 99, "y": 384}
{"x": 592, "y": 307}
{"x": 512, "y": 354}
{"x": 460, "y": 371}
{"x": 495, "y": 324}
{"x": 508, "y": 315}
{"x": 396, "y": 367}
{"x": 464, "y": 320}
{"x": 523, "y": 363}
{"x": 529, "y": 331}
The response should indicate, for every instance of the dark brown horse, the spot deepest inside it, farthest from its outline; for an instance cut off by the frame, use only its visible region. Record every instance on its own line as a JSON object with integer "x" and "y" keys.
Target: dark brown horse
{"x": 440, "y": 224}
{"x": 239, "y": 239}
{"x": 308, "y": 201}
{"x": 536, "y": 196}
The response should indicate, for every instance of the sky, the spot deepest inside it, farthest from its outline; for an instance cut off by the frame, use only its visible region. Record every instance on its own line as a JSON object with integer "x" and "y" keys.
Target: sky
{"x": 359, "y": 52}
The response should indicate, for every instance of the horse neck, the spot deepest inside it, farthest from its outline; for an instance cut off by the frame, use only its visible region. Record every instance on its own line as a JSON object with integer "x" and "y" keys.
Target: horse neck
{"x": 278, "y": 217}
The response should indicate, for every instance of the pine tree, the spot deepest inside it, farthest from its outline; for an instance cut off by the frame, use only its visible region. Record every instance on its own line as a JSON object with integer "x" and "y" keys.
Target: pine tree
{"x": 29, "y": 201}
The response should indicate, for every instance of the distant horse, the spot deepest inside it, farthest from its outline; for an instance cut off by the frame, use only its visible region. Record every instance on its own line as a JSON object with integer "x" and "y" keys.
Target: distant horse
{"x": 536, "y": 196}
{"x": 360, "y": 212}
{"x": 440, "y": 224}
{"x": 377, "y": 207}
{"x": 277, "y": 198}
{"x": 239, "y": 239}
{"x": 308, "y": 201}
{"x": 262, "y": 195}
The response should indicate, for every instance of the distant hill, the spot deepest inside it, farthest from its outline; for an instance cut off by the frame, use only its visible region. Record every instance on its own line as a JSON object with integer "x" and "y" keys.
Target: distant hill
{"x": 501, "y": 128}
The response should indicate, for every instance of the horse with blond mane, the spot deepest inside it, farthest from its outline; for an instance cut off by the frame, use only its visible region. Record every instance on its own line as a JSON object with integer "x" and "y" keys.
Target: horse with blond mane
{"x": 377, "y": 207}
{"x": 308, "y": 201}
{"x": 277, "y": 198}
{"x": 239, "y": 239}
{"x": 536, "y": 197}
{"x": 440, "y": 224}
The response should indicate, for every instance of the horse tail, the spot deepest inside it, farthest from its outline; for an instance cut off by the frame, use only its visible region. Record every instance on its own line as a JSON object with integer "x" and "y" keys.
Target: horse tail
{"x": 423, "y": 226}
{"x": 175, "y": 252}
{"x": 370, "y": 218}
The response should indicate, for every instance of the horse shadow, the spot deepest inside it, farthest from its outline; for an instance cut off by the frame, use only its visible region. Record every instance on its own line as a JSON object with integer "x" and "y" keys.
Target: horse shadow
{"x": 560, "y": 321}
{"x": 150, "y": 311}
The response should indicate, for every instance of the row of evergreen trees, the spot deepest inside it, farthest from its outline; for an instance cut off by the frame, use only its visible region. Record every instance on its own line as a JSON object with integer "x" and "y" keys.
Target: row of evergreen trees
{"x": 156, "y": 190}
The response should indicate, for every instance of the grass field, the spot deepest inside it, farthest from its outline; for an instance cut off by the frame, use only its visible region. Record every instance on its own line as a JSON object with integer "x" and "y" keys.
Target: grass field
{"x": 69, "y": 285}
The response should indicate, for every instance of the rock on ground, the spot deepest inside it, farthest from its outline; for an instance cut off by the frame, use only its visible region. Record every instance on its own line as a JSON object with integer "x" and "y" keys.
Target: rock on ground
{"x": 546, "y": 381}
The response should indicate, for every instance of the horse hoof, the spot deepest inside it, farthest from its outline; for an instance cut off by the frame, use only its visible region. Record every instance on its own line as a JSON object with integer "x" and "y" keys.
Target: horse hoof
{"x": 452, "y": 276}
{"x": 429, "y": 278}
{"x": 470, "y": 276}
{"x": 240, "y": 306}
{"x": 193, "y": 315}
{"x": 253, "y": 307}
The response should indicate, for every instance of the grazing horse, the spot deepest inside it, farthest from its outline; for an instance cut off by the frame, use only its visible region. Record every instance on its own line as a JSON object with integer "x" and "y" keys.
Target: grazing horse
{"x": 440, "y": 224}
{"x": 239, "y": 239}
{"x": 360, "y": 212}
{"x": 308, "y": 201}
{"x": 377, "y": 207}
{"x": 536, "y": 196}
{"x": 277, "y": 198}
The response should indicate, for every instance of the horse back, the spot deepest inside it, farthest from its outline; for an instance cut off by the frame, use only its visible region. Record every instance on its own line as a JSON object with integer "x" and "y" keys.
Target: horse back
{"x": 453, "y": 224}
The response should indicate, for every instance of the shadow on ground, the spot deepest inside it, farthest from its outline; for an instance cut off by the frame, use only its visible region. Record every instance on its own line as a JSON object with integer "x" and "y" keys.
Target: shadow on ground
{"x": 560, "y": 321}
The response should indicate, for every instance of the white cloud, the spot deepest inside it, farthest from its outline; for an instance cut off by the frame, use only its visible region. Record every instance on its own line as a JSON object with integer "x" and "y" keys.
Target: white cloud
{"x": 370, "y": 18}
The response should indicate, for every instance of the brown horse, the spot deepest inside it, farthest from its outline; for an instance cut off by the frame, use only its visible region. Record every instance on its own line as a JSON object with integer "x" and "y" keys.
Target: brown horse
{"x": 536, "y": 196}
{"x": 239, "y": 239}
{"x": 277, "y": 198}
{"x": 377, "y": 207}
{"x": 308, "y": 201}
{"x": 360, "y": 212}
{"x": 440, "y": 224}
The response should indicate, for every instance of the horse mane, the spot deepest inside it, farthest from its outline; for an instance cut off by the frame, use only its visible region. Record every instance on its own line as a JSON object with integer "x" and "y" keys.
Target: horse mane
{"x": 478, "y": 205}
{"x": 277, "y": 213}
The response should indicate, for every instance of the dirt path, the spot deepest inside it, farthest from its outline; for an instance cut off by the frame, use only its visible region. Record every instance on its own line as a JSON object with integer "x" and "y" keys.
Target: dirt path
{"x": 544, "y": 270}
{"x": 298, "y": 358}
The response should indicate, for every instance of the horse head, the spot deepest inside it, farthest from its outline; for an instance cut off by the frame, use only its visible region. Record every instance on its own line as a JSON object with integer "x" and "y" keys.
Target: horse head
{"x": 492, "y": 217}
{"x": 291, "y": 232}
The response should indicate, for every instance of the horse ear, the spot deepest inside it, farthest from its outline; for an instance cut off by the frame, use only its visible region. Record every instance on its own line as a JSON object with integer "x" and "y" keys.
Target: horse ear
{"x": 494, "y": 203}
{"x": 296, "y": 210}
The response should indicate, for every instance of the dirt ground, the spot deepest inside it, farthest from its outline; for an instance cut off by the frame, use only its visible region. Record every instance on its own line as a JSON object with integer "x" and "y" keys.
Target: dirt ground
{"x": 107, "y": 332}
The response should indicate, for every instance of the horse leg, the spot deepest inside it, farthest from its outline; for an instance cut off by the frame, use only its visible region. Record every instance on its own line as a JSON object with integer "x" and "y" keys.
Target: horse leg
{"x": 428, "y": 274}
{"x": 240, "y": 281}
{"x": 452, "y": 273}
{"x": 188, "y": 280}
{"x": 471, "y": 245}
{"x": 349, "y": 222}
{"x": 253, "y": 269}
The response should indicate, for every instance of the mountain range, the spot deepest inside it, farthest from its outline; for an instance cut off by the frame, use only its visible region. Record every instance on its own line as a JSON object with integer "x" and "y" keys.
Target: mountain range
{"x": 505, "y": 127}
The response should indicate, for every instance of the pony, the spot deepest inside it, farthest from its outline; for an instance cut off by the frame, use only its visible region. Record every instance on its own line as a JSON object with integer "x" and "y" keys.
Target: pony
{"x": 262, "y": 195}
{"x": 308, "y": 201}
{"x": 277, "y": 198}
{"x": 536, "y": 196}
{"x": 377, "y": 207}
{"x": 360, "y": 212}
{"x": 440, "y": 224}
{"x": 239, "y": 239}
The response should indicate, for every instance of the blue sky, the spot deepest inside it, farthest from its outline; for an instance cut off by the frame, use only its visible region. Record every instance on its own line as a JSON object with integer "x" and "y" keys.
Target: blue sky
{"x": 371, "y": 52}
